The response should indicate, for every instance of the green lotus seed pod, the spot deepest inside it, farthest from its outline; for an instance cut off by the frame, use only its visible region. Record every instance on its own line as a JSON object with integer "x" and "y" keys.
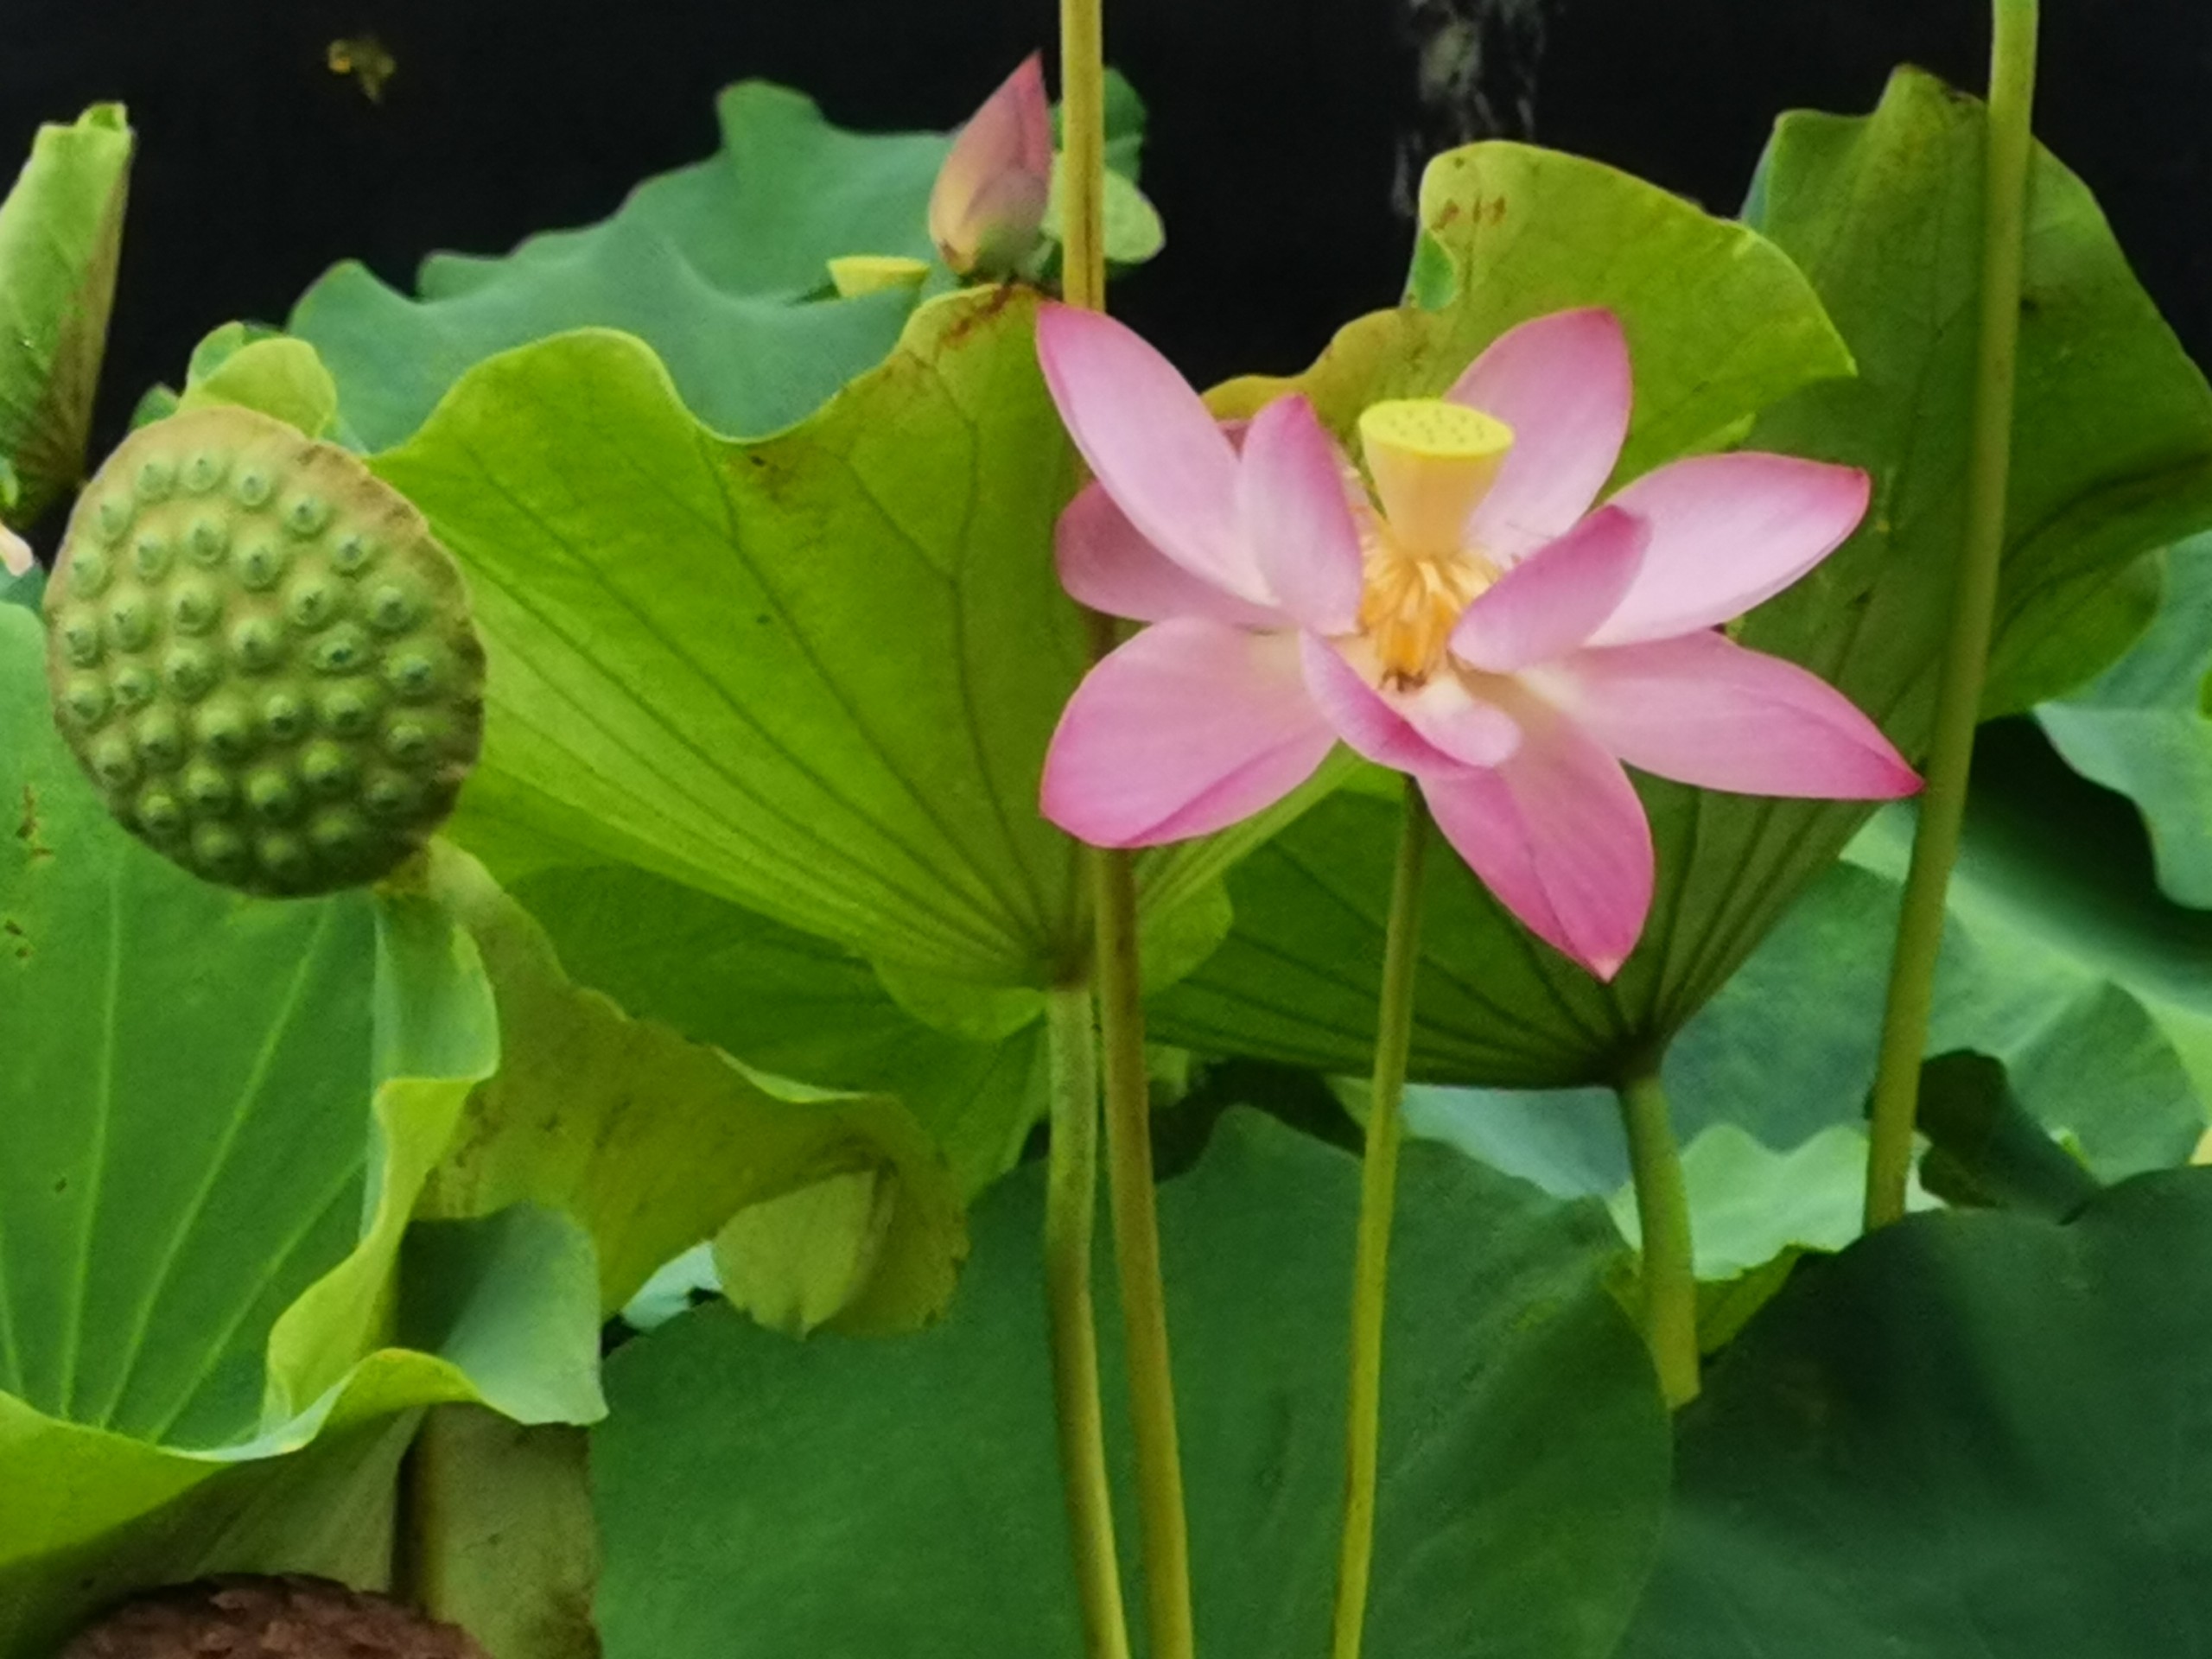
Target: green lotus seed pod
{"x": 261, "y": 655}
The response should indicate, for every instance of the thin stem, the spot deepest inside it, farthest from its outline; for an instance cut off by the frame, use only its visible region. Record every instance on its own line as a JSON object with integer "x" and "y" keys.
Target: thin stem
{"x": 1378, "y": 1189}
{"x": 1163, "y": 1529}
{"x": 1083, "y": 143}
{"x": 1071, "y": 1202}
{"x": 1162, "y": 1526}
{"x": 1662, "y": 1213}
{"x": 1973, "y": 609}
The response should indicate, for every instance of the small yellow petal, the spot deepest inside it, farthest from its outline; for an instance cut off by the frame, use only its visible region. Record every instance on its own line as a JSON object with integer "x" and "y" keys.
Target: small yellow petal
{"x": 1432, "y": 463}
{"x": 855, "y": 274}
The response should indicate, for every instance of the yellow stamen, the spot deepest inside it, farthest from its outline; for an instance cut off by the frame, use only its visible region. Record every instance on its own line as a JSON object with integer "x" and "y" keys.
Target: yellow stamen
{"x": 1432, "y": 463}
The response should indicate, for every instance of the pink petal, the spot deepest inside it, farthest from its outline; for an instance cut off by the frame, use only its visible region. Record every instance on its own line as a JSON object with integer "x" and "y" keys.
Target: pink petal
{"x": 1562, "y": 382}
{"x": 1105, "y": 564}
{"x": 1558, "y": 833}
{"x": 1188, "y": 728}
{"x": 1296, "y": 519}
{"x": 1437, "y": 727}
{"x": 1151, "y": 443}
{"x": 1703, "y": 710}
{"x": 1553, "y": 599}
{"x": 988, "y": 204}
{"x": 1727, "y": 533}
{"x": 16, "y": 557}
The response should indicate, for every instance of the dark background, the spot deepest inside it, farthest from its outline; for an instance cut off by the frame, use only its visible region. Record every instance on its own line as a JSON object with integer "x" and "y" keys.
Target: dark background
{"x": 1284, "y": 133}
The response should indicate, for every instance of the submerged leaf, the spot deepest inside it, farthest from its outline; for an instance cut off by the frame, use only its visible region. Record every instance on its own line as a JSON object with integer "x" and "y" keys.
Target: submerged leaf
{"x": 1897, "y": 1456}
{"x": 1525, "y": 1451}
{"x": 653, "y": 1143}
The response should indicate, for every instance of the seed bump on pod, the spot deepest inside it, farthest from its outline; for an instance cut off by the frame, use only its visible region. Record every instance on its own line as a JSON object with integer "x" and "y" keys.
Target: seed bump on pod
{"x": 226, "y": 728}
{"x": 87, "y": 700}
{"x": 258, "y": 643}
{"x": 220, "y": 852}
{"x": 134, "y": 685}
{"x": 113, "y": 515}
{"x": 196, "y": 606}
{"x": 286, "y": 715}
{"x": 115, "y": 763}
{"x": 254, "y": 486}
{"x": 313, "y": 602}
{"x": 204, "y": 471}
{"x": 352, "y": 553}
{"x": 190, "y": 672}
{"x": 262, "y": 563}
{"x": 210, "y": 789}
{"x": 156, "y": 479}
{"x": 159, "y": 738}
{"x": 161, "y": 815}
{"x": 306, "y": 516}
{"x": 207, "y": 542}
{"x": 91, "y": 573}
{"x": 131, "y": 622}
{"x": 327, "y": 768}
{"x": 79, "y": 630}
{"x": 151, "y": 555}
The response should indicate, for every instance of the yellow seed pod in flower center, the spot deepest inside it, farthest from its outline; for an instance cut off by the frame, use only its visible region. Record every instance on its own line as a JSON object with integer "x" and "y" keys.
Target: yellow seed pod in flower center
{"x": 1431, "y": 463}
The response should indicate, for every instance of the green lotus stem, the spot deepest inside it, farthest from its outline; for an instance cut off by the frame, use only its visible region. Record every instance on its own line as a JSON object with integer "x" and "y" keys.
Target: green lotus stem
{"x": 1082, "y": 151}
{"x": 1663, "y": 1212}
{"x": 1378, "y": 1188}
{"x": 1163, "y": 1527}
{"x": 1973, "y": 609}
{"x": 1071, "y": 1204}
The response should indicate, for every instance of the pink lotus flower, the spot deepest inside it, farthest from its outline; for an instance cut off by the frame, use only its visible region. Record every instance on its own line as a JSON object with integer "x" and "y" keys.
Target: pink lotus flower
{"x": 15, "y": 553}
{"x": 1473, "y": 622}
{"x": 988, "y": 206}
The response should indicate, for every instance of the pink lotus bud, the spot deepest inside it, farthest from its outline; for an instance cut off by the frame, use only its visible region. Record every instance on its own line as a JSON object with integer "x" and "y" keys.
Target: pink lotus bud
{"x": 988, "y": 203}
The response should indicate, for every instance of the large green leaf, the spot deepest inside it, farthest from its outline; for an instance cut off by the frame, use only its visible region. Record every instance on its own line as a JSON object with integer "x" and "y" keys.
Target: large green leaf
{"x": 2145, "y": 728}
{"x": 218, "y": 1112}
{"x": 813, "y": 675}
{"x": 61, "y": 235}
{"x": 789, "y": 1003}
{"x": 654, "y": 1143}
{"x": 742, "y": 363}
{"x": 2114, "y": 461}
{"x": 1970, "y": 1434}
{"x": 1524, "y": 1458}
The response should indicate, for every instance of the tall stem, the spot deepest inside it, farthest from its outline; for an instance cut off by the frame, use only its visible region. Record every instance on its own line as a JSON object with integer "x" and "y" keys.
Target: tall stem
{"x": 1163, "y": 1530}
{"x": 1663, "y": 1212}
{"x": 1378, "y": 1189}
{"x": 1974, "y": 608}
{"x": 1070, "y": 1201}
{"x": 1083, "y": 141}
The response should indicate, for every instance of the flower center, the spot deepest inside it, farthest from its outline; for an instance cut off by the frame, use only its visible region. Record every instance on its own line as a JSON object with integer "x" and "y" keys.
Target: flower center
{"x": 1431, "y": 463}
